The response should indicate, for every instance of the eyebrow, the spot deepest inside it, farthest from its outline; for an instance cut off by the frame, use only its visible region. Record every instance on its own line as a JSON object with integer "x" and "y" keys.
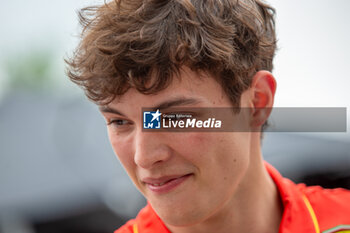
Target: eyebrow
{"x": 179, "y": 101}
{"x": 110, "y": 110}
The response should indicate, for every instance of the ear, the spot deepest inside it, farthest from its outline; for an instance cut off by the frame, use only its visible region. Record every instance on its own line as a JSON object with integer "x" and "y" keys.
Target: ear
{"x": 263, "y": 90}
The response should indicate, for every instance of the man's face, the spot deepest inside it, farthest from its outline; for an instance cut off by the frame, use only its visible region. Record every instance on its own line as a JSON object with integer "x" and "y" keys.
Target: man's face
{"x": 186, "y": 176}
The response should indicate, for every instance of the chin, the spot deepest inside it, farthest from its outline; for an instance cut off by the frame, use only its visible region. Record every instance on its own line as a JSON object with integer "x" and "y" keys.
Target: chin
{"x": 180, "y": 215}
{"x": 180, "y": 220}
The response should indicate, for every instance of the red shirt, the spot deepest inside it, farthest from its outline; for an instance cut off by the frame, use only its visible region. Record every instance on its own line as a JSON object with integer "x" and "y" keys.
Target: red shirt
{"x": 306, "y": 210}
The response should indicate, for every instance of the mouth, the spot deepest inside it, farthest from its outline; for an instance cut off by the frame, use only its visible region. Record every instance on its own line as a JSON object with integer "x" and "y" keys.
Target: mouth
{"x": 166, "y": 183}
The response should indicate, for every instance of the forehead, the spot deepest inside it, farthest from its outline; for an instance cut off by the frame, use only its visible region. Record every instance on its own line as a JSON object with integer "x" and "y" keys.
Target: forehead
{"x": 191, "y": 84}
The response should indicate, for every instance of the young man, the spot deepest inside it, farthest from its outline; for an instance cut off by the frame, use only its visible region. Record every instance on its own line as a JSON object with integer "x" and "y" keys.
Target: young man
{"x": 194, "y": 54}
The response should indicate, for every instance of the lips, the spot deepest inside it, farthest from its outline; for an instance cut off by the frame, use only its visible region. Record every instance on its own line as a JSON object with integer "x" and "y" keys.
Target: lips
{"x": 166, "y": 183}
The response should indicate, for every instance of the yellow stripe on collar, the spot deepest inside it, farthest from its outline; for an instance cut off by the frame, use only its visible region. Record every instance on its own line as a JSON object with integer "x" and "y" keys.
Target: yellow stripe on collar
{"x": 312, "y": 214}
{"x": 134, "y": 228}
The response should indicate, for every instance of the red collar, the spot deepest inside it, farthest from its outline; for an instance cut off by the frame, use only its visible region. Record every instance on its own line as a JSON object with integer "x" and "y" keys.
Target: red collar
{"x": 296, "y": 215}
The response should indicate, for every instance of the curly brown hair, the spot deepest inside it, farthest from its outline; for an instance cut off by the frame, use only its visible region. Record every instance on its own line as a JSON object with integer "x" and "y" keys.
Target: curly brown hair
{"x": 124, "y": 42}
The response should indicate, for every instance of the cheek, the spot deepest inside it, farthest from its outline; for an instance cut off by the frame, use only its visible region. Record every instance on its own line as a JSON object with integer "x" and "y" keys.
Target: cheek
{"x": 123, "y": 149}
{"x": 217, "y": 155}
{"x": 233, "y": 158}
{"x": 234, "y": 151}
{"x": 191, "y": 145}
{"x": 203, "y": 150}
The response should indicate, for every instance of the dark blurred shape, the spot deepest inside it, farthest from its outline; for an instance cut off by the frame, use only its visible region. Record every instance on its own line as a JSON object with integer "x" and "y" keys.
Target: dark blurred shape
{"x": 56, "y": 163}
{"x": 334, "y": 179}
{"x": 95, "y": 221}
{"x": 309, "y": 159}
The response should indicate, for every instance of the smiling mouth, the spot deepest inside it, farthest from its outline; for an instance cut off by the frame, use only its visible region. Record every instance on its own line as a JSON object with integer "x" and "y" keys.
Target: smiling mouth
{"x": 155, "y": 184}
{"x": 165, "y": 184}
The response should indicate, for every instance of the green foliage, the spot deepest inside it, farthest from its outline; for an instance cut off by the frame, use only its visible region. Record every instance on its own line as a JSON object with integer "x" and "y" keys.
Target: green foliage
{"x": 30, "y": 70}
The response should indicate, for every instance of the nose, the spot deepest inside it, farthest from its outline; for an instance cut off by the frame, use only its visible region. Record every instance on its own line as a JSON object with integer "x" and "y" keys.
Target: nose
{"x": 151, "y": 148}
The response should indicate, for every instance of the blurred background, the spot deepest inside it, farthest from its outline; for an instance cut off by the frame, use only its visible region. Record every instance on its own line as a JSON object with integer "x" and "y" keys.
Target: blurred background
{"x": 57, "y": 170}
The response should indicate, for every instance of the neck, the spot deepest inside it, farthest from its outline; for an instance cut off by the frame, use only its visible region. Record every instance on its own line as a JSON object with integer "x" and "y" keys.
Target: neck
{"x": 255, "y": 207}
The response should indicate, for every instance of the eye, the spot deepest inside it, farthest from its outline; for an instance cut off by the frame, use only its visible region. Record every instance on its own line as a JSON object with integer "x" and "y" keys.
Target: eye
{"x": 118, "y": 123}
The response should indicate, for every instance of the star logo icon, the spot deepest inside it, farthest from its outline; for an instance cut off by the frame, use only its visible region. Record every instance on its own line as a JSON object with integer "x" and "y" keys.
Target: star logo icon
{"x": 156, "y": 115}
